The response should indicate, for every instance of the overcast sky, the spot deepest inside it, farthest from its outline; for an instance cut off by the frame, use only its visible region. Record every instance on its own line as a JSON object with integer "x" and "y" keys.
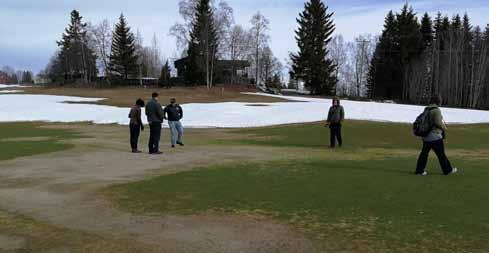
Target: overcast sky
{"x": 30, "y": 28}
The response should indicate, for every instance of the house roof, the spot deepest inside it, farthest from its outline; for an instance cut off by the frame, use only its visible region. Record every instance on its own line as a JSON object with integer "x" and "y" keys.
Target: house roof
{"x": 236, "y": 63}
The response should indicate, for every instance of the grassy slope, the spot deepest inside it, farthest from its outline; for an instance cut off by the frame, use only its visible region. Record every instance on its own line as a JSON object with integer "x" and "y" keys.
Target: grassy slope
{"x": 363, "y": 197}
{"x": 26, "y": 139}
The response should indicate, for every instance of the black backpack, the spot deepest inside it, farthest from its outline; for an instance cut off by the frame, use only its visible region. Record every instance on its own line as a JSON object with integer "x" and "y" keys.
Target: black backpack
{"x": 423, "y": 124}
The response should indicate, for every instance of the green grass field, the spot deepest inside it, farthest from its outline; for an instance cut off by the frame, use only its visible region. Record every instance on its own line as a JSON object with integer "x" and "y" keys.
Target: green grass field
{"x": 27, "y": 139}
{"x": 363, "y": 197}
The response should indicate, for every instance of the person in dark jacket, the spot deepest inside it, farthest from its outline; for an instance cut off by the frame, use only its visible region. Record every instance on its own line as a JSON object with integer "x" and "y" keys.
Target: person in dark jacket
{"x": 435, "y": 141}
{"x": 155, "y": 115}
{"x": 174, "y": 113}
{"x": 336, "y": 116}
{"x": 135, "y": 124}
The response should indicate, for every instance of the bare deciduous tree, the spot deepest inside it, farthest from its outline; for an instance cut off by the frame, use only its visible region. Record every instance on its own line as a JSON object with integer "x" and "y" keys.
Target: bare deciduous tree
{"x": 259, "y": 28}
{"x": 101, "y": 34}
{"x": 353, "y": 60}
{"x": 239, "y": 46}
{"x": 181, "y": 31}
{"x": 270, "y": 67}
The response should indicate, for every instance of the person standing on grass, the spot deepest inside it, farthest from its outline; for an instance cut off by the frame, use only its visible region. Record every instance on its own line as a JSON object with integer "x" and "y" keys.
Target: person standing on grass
{"x": 434, "y": 140}
{"x": 155, "y": 115}
{"x": 336, "y": 116}
{"x": 174, "y": 113}
{"x": 135, "y": 124}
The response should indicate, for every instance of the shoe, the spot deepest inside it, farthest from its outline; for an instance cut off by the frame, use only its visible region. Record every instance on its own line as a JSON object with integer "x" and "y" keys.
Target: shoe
{"x": 454, "y": 171}
{"x": 422, "y": 174}
{"x": 156, "y": 153}
{"x": 136, "y": 151}
{"x": 180, "y": 143}
{"x": 172, "y": 146}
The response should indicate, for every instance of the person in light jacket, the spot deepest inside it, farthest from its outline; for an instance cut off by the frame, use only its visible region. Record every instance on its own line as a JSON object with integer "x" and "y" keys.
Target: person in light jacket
{"x": 435, "y": 141}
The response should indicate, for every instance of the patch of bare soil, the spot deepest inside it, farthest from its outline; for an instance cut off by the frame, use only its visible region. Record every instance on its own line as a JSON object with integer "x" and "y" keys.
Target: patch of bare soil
{"x": 61, "y": 189}
{"x": 11, "y": 243}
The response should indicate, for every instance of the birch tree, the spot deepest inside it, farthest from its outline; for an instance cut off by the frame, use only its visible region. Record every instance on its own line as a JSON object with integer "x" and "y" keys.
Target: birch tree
{"x": 259, "y": 29}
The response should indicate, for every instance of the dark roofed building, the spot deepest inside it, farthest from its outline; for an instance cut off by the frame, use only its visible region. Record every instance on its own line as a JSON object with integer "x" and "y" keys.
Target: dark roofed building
{"x": 225, "y": 71}
{"x": 4, "y": 78}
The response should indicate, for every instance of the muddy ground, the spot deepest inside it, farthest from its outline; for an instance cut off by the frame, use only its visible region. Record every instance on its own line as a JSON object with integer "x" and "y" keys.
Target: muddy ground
{"x": 60, "y": 191}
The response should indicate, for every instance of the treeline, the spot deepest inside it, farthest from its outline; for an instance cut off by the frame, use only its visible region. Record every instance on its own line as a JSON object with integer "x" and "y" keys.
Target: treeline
{"x": 9, "y": 75}
{"x": 414, "y": 60}
{"x": 90, "y": 52}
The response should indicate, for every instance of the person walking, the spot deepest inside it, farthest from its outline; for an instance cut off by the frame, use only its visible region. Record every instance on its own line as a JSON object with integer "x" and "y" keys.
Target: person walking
{"x": 336, "y": 116}
{"x": 434, "y": 140}
{"x": 174, "y": 113}
{"x": 135, "y": 124}
{"x": 155, "y": 115}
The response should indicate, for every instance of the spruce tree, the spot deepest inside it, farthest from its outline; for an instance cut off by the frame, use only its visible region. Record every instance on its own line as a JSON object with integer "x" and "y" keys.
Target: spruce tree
{"x": 311, "y": 64}
{"x": 384, "y": 69}
{"x": 202, "y": 50}
{"x": 427, "y": 31}
{"x": 123, "y": 57}
{"x": 26, "y": 77}
{"x": 77, "y": 58}
{"x": 165, "y": 75}
{"x": 401, "y": 44}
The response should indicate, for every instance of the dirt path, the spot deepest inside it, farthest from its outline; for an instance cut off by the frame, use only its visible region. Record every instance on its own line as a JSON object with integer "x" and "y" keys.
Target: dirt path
{"x": 61, "y": 189}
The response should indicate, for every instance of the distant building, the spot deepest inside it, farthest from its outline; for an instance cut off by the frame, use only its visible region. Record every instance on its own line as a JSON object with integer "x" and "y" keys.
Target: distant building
{"x": 225, "y": 71}
{"x": 4, "y": 78}
{"x": 41, "y": 80}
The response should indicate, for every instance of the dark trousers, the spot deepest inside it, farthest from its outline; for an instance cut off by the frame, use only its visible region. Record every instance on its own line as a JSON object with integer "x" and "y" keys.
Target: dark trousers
{"x": 134, "y": 131}
{"x": 439, "y": 148}
{"x": 335, "y": 134}
{"x": 154, "y": 137}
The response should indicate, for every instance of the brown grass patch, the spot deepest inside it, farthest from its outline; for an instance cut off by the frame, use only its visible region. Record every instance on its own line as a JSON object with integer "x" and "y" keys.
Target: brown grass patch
{"x": 27, "y": 235}
{"x": 482, "y": 154}
{"x": 24, "y": 139}
{"x": 126, "y": 97}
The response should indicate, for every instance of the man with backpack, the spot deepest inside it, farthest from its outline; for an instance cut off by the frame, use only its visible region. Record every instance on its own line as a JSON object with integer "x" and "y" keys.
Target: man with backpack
{"x": 336, "y": 115}
{"x": 430, "y": 126}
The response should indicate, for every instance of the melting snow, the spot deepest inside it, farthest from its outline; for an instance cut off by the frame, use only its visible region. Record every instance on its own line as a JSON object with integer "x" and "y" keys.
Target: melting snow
{"x": 21, "y": 107}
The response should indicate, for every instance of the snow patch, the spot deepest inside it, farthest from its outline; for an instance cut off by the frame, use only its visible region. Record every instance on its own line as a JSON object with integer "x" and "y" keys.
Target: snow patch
{"x": 11, "y": 91}
{"x": 3, "y": 86}
{"x": 22, "y": 107}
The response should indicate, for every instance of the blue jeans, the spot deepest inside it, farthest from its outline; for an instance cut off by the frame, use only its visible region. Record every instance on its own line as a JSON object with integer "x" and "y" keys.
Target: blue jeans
{"x": 176, "y": 130}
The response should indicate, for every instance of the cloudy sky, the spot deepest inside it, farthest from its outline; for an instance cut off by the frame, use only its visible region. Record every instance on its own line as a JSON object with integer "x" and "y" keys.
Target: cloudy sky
{"x": 29, "y": 28}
